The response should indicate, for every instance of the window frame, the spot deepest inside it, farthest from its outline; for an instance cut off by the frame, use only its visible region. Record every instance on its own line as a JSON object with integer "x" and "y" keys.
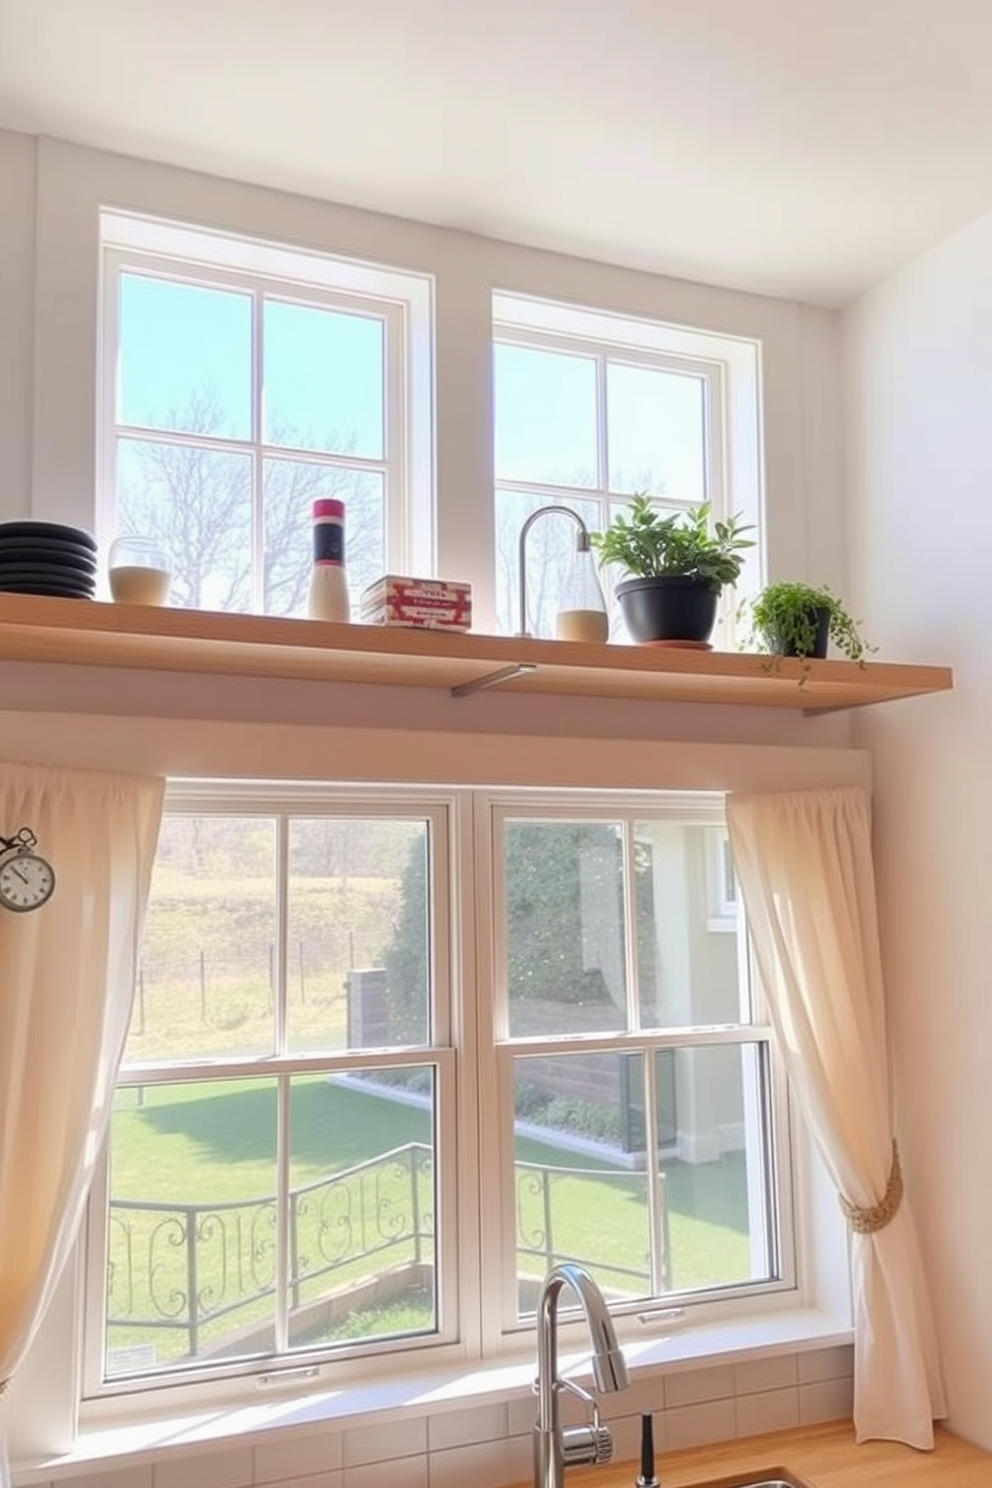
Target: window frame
{"x": 497, "y": 1049}
{"x": 730, "y": 369}
{"x": 476, "y": 1300}
{"x": 272, "y": 800}
{"x": 401, "y": 301}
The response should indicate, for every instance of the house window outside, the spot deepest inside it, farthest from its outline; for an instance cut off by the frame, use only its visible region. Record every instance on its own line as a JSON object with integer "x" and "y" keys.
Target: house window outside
{"x": 235, "y": 395}
{"x": 591, "y": 409}
{"x": 288, "y": 1166}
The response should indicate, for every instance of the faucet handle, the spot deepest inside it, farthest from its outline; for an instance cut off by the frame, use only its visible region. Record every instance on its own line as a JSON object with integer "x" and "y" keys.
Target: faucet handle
{"x": 588, "y": 1446}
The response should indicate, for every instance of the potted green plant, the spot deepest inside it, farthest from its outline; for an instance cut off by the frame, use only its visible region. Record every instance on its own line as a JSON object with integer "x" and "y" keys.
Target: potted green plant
{"x": 677, "y": 566}
{"x": 796, "y": 619}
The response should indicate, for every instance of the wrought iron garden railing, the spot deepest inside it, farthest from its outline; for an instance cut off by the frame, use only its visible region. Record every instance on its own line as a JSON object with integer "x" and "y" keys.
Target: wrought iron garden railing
{"x": 206, "y": 1271}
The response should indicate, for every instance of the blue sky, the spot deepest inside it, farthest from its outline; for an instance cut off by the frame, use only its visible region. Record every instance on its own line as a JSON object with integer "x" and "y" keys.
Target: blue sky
{"x": 322, "y": 378}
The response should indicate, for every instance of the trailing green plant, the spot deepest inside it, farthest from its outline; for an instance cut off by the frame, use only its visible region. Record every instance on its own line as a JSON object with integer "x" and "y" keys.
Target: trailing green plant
{"x": 648, "y": 544}
{"x": 784, "y": 618}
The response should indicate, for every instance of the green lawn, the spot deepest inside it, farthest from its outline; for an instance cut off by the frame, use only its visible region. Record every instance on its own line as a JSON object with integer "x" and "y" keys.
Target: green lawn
{"x": 213, "y": 1144}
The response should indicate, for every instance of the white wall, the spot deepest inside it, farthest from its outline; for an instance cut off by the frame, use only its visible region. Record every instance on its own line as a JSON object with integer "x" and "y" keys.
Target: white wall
{"x": 17, "y": 215}
{"x": 919, "y": 394}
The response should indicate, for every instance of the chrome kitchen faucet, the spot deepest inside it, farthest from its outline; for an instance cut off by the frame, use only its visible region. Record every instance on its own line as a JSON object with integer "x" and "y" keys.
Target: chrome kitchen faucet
{"x": 555, "y": 1447}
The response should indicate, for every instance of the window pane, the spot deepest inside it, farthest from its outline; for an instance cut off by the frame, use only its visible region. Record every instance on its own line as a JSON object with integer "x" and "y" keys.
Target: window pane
{"x": 564, "y": 927}
{"x": 687, "y": 964}
{"x": 197, "y": 504}
{"x": 192, "y": 1224}
{"x": 205, "y": 978}
{"x": 712, "y": 1119}
{"x": 185, "y": 357}
{"x": 656, "y": 425}
{"x": 361, "y": 1212}
{"x": 323, "y": 380}
{"x": 358, "y": 965}
{"x": 550, "y": 554}
{"x": 581, "y": 1193}
{"x": 545, "y": 416}
{"x": 291, "y": 486}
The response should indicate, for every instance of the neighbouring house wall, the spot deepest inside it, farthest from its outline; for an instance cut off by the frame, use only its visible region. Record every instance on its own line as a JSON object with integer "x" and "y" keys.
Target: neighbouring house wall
{"x": 919, "y": 399}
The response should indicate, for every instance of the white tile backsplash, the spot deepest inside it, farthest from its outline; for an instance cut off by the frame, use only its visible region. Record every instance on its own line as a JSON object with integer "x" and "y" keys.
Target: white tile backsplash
{"x": 699, "y": 1425}
{"x": 828, "y": 1363}
{"x": 490, "y": 1446}
{"x": 521, "y": 1415}
{"x": 486, "y": 1465}
{"x": 627, "y": 1437}
{"x": 465, "y": 1427}
{"x": 826, "y": 1400}
{"x": 404, "y": 1472}
{"x": 123, "y": 1477}
{"x": 698, "y": 1385}
{"x": 769, "y": 1410}
{"x": 759, "y": 1375}
{"x": 294, "y": 1456}
{"x": 333, "y": 1479}
{"x": 232, "y": 1468}
{"x": 383, "y": 1443}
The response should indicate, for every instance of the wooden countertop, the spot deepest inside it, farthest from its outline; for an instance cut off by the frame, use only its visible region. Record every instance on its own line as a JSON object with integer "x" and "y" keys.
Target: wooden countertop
{"x": 818, "y": 1456}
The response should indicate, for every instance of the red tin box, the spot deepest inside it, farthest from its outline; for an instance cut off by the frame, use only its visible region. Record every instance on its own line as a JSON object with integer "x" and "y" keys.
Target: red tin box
{"x": 431, "y": 604}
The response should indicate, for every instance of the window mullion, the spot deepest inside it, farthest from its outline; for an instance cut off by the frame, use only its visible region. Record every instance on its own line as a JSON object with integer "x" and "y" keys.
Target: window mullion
{"x": 283, "y": 1088}
{"x": 280, "y": 959}
{"x": 602, "y": 436}
{"x": 632, "y": 976}
{"x": 660, "y": 1261}
{"x": 258, "y": 464}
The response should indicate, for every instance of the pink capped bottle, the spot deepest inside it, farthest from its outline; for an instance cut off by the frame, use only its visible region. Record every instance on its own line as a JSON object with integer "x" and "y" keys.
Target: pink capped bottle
{"x": 328, "y": 580}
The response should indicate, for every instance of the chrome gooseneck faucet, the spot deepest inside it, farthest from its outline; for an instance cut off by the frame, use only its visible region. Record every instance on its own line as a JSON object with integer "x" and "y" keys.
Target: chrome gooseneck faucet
{"x": 582, "y": 545}
{"x": 555, "y": 1447}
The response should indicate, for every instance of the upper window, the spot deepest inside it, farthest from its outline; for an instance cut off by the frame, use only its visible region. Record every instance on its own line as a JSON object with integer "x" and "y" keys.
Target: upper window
{"x": 591, "y": 409}
{"x": 235, "y": 394}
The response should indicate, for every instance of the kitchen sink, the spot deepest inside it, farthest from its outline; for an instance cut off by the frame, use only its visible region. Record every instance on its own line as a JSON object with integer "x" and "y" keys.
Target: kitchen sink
{"x": 773, "y": 1477}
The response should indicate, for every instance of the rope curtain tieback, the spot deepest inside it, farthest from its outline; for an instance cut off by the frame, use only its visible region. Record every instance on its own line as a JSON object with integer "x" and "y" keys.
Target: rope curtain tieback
{"x": 867, "y": 1221}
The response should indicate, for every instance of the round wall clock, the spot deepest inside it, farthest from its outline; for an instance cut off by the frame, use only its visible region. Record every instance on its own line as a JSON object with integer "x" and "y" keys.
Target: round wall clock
{"x": 27, "y": 880}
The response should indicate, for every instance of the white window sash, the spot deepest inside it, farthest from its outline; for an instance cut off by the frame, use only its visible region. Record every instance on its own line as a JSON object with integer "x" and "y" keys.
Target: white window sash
{"x": 409, "y": 528}
{"x": 283, "y": 804}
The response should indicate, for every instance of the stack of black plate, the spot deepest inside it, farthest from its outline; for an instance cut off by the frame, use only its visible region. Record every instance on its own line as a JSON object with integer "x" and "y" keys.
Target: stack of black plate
{"x": 47, "y": 558}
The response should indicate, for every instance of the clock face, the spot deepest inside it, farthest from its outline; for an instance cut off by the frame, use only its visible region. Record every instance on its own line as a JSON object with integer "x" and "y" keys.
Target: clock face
{"x": 26, "y": 882}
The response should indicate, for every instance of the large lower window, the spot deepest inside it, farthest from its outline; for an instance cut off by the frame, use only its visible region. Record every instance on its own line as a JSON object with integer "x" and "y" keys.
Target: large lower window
{"x": 367, "y": 1101}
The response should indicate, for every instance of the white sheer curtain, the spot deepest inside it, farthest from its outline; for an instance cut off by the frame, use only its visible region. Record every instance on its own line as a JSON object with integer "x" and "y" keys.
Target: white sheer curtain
{"x": 66, "y": 983}
{"x": 804, "y": 864}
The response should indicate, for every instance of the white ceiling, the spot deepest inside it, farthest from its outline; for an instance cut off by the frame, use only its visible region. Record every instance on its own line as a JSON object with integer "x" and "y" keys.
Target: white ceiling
{"x": 799, "y": 147}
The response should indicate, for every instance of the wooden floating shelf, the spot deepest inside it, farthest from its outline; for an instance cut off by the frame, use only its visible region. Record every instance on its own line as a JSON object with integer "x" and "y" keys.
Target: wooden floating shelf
{"x": 90, "y": 633}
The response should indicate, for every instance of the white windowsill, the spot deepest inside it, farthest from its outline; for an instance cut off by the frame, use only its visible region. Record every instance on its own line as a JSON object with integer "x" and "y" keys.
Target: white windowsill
{"x": 426, "y": 1392}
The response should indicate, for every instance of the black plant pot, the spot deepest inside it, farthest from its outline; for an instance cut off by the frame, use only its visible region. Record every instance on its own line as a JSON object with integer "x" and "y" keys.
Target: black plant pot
{"x": 820, "y": 618}
{"x": 671, "y": 607}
